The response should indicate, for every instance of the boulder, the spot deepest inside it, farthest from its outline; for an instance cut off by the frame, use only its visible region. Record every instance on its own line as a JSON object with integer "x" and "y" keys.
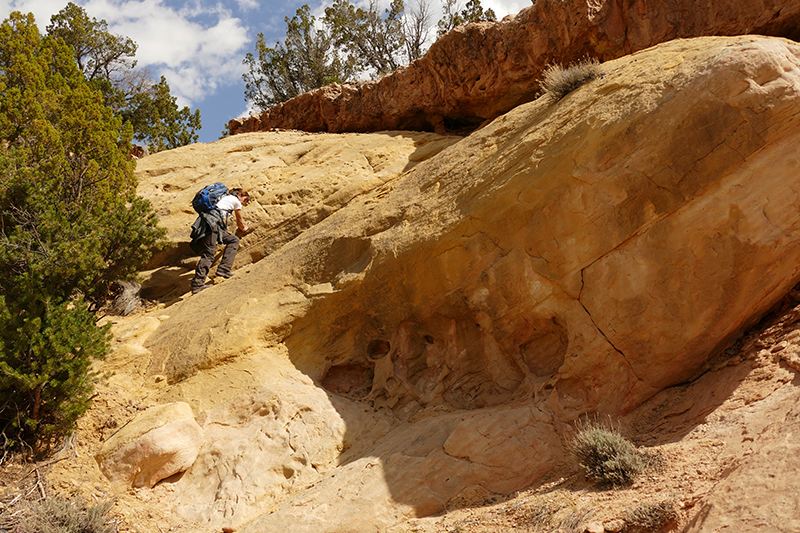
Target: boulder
{"x": 158, "y": 443}
{"x": 479, "y": 71}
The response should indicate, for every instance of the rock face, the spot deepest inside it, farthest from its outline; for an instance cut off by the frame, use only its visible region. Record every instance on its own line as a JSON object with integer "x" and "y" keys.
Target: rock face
{"x": 160, "y": 442}
{"x": 419, "y": 318}
{"x": 760, "y": 495}
{"x": 482, "y": 70}
{"x": 296, "y": 180}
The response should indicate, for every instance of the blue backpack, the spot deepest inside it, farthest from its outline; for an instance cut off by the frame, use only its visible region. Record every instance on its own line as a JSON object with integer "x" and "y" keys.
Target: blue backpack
{"x": 206, "y": 198}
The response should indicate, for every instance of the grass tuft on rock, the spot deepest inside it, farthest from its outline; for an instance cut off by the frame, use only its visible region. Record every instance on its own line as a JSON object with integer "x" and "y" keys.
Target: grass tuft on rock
{"x": 558, "y": 81}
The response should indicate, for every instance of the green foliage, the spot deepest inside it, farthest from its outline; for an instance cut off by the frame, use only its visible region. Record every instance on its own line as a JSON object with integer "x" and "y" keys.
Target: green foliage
{"x": 371, "y": 42}
{"x": 60, "y": 515}
{"x": 70, "y": 225}
{"x": 46, "y": 352}
{"x": 106, "y": 60}
{"x": 608, "y": 457}
{"x": 98, "y": 53}
{"x": 472, "y": 12}
{"x": 558, "y": 81}
{"x": 306, "y": 60}
{"x": 153, "y": 112}
{"x": 351, "y": 42}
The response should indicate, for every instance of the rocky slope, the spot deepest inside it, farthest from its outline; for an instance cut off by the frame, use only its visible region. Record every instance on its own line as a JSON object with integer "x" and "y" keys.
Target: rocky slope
{"x": 419, "y": 320}
{"x": 482, "y": 70}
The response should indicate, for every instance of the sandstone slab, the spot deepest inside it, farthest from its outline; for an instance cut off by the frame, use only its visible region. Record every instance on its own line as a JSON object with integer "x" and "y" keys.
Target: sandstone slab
{"x": 296, "y": 180}
{"x": 762, "y": 493}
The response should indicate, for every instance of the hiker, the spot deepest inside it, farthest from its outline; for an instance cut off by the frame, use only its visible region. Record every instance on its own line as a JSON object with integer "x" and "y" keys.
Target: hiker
{"x": 210, "y": 229}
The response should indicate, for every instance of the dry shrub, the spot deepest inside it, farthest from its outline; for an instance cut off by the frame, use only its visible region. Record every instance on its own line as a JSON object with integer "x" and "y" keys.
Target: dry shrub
{"x": 650, "y": 517}
{"x": 608, "y": 457}
{"x": 559, "y": 81}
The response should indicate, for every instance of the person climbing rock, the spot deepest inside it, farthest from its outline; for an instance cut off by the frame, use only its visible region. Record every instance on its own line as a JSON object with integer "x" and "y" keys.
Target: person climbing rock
{"x": 210, "y": 229}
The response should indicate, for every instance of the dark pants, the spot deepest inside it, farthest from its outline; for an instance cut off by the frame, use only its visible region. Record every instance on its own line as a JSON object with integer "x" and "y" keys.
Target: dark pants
{"x": 208, "y": 245}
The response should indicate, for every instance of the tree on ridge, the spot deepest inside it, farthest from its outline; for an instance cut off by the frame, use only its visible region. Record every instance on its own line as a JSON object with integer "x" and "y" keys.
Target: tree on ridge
{"x": 348, "y": 43}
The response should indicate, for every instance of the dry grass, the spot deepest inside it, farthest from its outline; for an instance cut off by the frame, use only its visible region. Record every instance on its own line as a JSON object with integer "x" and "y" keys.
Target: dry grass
{"x": 57, "y": 515}
{"x": 559, "y": 81}
{"x": 650, "y": 517}
{"x": 550, "y": 512}
{"x": 28, "y": 503}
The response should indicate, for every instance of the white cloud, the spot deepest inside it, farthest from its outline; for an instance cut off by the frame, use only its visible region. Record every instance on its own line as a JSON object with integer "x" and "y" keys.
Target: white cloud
{"x": 41, "y": 9}
{"x": 197, "y": 47}
{"x": 248, "y": 111}
{"x": 247, "y": 4}
{"x": 505, "y": 7}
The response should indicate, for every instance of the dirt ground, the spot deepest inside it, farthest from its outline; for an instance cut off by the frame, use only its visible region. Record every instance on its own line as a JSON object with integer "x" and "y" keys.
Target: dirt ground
{"x": 700, "y": 431}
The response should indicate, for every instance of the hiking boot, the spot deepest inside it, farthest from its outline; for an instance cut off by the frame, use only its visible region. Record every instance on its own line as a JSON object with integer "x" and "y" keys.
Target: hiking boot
{"x": 195, "y": 290}
{"x": 226, "y": 275}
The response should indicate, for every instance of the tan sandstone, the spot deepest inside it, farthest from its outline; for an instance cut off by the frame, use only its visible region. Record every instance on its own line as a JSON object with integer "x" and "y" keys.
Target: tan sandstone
{"x": 417, "y": 315}
{"x": 160, "y": 442}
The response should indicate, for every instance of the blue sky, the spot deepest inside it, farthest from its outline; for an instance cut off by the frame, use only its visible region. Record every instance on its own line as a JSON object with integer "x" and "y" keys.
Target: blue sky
{"x": 199, "y": 45}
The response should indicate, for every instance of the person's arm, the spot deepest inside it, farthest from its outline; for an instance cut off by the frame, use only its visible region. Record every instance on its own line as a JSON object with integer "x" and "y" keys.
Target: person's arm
{"x": 244, "y": 226}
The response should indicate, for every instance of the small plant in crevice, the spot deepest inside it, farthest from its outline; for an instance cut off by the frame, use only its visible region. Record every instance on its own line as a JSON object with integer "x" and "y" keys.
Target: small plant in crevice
{"x": 607, "y": 457}
{"x": 650, "y": 517}
{"x": 558, "y": 81}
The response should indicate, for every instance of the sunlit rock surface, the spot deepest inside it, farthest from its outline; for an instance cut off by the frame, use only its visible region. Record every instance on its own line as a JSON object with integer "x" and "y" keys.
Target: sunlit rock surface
{"x": 417, "y": 315}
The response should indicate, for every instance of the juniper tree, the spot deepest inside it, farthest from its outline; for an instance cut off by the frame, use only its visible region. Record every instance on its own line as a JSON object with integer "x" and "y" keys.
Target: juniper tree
{"x": 371, "y": 41}
{"x": 472, "y": 12}
{"x": 306, "y": 60}
{"x": 70, "y": 224}
{"x": 107, "y": 61}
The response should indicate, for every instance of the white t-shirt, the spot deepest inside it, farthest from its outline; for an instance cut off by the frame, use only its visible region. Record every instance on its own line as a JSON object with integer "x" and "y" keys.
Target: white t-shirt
{"x": 228, "y": 204}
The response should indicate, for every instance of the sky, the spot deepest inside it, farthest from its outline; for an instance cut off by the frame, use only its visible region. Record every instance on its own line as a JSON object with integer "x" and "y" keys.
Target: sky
{"x": 199, "y": 45}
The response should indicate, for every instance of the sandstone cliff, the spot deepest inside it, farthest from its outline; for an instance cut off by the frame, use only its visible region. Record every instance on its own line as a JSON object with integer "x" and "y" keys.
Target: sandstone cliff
{"x": 418, "y": 319}
{"x": 479, "y": 71}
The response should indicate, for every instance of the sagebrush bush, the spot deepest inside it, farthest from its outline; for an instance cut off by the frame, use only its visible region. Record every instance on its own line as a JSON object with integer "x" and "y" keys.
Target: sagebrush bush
{"x": 608, "y": 457}
{"x": 558, "y": 81}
